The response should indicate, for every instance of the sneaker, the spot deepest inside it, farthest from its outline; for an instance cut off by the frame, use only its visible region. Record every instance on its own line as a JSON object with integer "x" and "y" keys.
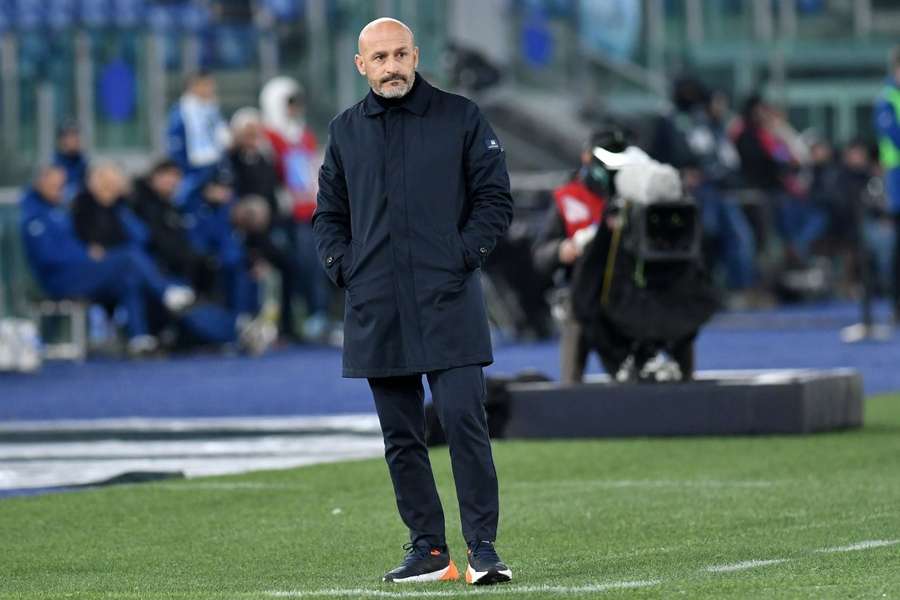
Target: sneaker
{"x": 178, "y": 297}
{"x": 142, "y": 345}
{"x": 485, "y": 567}
{"x": 255, "y": 335}
{"x": 423, "y": 563}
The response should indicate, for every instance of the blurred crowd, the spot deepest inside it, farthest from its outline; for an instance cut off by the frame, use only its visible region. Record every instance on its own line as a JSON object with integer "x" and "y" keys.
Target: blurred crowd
{"x": 183, "y": 254}
{"x": 188, "y": 252}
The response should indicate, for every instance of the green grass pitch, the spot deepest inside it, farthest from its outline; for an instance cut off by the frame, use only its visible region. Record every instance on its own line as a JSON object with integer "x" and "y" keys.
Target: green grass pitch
{"x": 744, "y": 517}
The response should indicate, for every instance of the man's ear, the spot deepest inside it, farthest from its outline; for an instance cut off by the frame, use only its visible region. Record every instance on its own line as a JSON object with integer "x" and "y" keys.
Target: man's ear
{"x": 360, "y": 65}
{"x": 416, "y": 56}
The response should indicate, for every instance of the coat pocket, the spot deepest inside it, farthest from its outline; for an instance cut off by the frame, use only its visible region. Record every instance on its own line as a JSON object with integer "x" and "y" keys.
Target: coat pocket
{"x": 456, "y": 252}
{"x": 348, "y": 267}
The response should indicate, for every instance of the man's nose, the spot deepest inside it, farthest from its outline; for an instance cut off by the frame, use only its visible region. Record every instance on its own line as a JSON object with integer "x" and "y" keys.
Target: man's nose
{"x": 394, "y": 66}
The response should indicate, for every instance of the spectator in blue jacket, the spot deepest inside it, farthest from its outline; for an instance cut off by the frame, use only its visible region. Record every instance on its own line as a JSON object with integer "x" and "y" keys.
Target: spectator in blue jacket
{"x": 69, "y": 156}
{"x": 197, "y": 137}
{"x": 65, "y": 267}
{"x": 214, "y": 234}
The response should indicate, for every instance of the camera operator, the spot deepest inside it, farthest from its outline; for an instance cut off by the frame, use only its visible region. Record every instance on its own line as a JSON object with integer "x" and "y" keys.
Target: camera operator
{"x": 577, "y": 209}
{"x": 639, "y": 289}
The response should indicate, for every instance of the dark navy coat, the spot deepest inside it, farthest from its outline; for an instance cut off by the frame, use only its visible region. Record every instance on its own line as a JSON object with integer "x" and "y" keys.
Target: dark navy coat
{"x": 412, "y": 199}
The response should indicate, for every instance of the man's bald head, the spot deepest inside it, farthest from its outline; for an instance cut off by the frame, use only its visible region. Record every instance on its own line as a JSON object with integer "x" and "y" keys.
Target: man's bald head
{"x": 388, "y": 57}
{"x": 385, "y": 27}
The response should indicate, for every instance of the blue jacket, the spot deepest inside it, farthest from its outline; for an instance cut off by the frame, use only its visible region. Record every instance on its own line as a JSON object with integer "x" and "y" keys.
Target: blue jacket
{"x": 51, "y": 245}
{"x": 192, "y": 132}
{"x": 412, "y": 199}
{"x": 887, "y": 124}
{"x": 76, "y": 172}
{"x": 211, "y": 233}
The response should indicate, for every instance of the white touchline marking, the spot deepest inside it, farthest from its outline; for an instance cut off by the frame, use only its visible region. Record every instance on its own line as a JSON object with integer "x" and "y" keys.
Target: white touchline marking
{"x": 648, "y": 483}
{"x": 501, "y": 589}
{"x": 865, "y": 545}
{"x": 742, "y": 566}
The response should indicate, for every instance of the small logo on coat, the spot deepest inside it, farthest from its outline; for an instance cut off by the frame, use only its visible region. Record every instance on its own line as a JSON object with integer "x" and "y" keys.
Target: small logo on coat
{"x": 492, "y": 144}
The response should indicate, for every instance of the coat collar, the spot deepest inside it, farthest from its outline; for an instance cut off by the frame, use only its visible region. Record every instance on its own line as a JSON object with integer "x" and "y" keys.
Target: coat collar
{"x": 416, "y": 102}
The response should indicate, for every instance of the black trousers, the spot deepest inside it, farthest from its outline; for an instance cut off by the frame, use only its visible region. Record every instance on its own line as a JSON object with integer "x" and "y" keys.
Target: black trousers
{"x": 459, "y": 395}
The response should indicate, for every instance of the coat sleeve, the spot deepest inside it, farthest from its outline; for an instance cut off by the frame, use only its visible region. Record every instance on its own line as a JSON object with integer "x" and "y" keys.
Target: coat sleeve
{"x": 487, "y": 189}
{"x": 331, "y": 219}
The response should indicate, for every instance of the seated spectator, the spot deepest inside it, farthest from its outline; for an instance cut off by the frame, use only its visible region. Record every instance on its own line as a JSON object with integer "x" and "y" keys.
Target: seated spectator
{"x": 213, "y": 234}
{"x": 255, "y": 176}
{"x": 70, "y": 158}
{"x": 103, "y": 220}
{"x": 153, "y": 201}
{"x": 66, "y": 267}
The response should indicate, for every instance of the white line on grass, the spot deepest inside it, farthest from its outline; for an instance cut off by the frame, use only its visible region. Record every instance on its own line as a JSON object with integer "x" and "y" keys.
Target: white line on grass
{"x": 555, "y": 590}
{"x": 865, "y": 545}
{"x": 646, "y": 483}
{"x": 743, "y": 566}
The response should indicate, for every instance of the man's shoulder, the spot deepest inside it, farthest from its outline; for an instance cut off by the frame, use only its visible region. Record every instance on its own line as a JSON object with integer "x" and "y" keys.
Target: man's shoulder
{"x": 346, "y": 117}
{"x": 454, "y": 102}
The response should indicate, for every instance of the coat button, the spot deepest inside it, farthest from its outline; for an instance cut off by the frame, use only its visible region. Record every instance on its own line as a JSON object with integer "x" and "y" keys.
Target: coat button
{"x": 483, "y": 250}
{"x": 329, "y": 261}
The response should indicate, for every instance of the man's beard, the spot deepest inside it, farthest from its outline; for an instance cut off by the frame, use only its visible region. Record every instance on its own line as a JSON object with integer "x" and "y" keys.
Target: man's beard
{"x": 392, "y": 91}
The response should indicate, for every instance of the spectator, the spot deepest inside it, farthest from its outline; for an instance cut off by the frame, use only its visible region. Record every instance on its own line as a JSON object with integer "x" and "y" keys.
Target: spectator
{"x": 255, "y": 176}
{"x": 694, "y": 140}
{"x": 66, "y": 268}
{"x": 197, "y": 137}
{"x": 102, "y": 219}
{"x": 213, "y": 234}
{"x": 771, "y": 157}
{"x": 153, "y": 201}
{"x": 868, "y": 212}
{"x": 70, "y": 158}
{"x": 295, "y": 147}
{"x": 252, "y": 161}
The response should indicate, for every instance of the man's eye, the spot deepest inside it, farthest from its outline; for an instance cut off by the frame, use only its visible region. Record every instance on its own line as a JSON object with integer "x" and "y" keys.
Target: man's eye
{"x": 401, "y": 54}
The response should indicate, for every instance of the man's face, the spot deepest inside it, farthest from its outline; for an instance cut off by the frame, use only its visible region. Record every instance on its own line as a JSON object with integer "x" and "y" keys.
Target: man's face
{"x": 856, "y": 158}
{"x": 69, "y": 143}
{"x": 217, "y": 193}
{"x": 388, "y": 59}
{"x": 205, "y": 88}
{"x": 107, "y": 185}
{"x": 50, "y": 185}
{"x": 295, "y": 107}
{"x": 166, "y": 182}
{"x": 249, "y": 136}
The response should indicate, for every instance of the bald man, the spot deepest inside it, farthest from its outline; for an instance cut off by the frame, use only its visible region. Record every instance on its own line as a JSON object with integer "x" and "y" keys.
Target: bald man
{"x": 413, "y": 196}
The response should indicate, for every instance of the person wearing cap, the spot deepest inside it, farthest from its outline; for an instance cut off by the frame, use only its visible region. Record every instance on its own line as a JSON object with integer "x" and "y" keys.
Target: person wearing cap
{"x": 578, "y": 206}
{"x": 413, "y": 197}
